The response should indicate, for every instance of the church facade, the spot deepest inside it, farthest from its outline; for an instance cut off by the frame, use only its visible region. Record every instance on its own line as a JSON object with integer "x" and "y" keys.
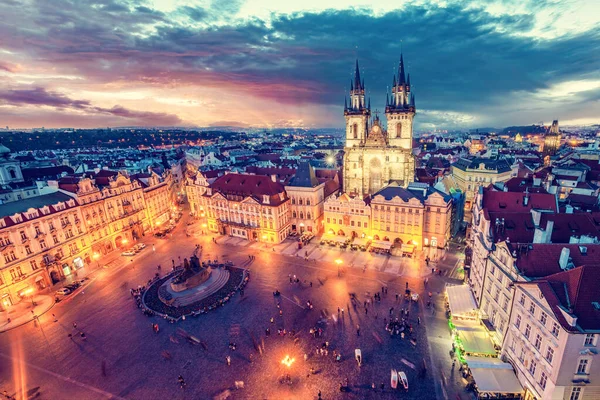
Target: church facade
{"x": 375, "y": 156}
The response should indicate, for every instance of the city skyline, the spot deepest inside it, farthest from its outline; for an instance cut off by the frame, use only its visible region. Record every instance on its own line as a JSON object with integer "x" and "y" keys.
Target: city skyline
{"x": 254, "y": 64}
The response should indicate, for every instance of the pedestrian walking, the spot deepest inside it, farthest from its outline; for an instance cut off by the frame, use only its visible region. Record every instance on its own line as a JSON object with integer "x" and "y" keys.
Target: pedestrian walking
{"x": 311, "y": 284}
{"x": 418, "y": 320}
{"x": 357, "y": 330}
{"x": 382, "y": 386}
{"x": 181, "y": 381}
{"x": 228, "y": 359}
{"x": 366, "y": 311}
{"x": 55, "y": 319}
{"x": 75, "y": 325}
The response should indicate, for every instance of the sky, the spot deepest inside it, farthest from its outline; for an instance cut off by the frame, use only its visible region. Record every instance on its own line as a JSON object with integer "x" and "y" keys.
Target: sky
{"x": 259, "y": 63}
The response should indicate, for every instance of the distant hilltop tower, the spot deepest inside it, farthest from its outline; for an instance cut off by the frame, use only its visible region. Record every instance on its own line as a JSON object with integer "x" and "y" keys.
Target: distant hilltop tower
{"x": 373, "y": 156}
{"x": 552, "y": 139}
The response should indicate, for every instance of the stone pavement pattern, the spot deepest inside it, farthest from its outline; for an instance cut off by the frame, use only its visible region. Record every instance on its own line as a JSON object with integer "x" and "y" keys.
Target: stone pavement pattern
{"x": 123, "y": 358}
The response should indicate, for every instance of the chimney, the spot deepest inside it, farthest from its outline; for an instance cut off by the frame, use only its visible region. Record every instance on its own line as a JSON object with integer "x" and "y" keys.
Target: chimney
{"x": 536, "y": 216}
{"x": 548, "y": 233}
{"x": 563, "y": 261}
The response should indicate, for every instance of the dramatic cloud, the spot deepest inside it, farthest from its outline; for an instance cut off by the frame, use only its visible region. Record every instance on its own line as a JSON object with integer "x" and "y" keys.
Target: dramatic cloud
{"x": 40, "y": 97}
{"x": 503, "y": 63}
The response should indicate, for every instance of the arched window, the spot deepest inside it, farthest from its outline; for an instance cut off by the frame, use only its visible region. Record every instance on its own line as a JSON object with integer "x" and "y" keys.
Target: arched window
{"x": 308, "y": 202}
{"x": 300, "y": 201}
{"x": 294, "y": 214}
{"x": 355, "y": 131}
{"x": 399, "y": 129}
{"x": 293, "y": 201}
{"x": 301, "y": 215}
{"x": 307, "y": 215}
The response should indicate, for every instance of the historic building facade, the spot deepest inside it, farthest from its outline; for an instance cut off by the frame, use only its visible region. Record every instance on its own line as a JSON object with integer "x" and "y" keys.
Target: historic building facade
{"x": 252, "y": 207}
{"x": 307, "y": 196}
{"x": 375, "y": 156}
{"x": 42, "y": 239}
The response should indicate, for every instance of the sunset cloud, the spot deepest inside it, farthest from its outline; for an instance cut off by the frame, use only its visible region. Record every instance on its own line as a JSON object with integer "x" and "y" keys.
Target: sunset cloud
{"x": 470, "y": 64}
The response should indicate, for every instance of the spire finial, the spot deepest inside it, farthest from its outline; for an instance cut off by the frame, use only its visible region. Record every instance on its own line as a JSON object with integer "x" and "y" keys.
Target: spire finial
{"x": 401, "y": 75}
{"x": 357, "y": 81}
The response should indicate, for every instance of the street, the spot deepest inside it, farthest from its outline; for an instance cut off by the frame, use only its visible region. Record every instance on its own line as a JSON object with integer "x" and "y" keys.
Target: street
{"x": 122, "y": 357}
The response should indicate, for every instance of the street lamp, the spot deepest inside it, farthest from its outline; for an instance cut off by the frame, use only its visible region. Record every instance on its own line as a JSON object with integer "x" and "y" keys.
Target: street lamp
{"x": 338, "y": 262}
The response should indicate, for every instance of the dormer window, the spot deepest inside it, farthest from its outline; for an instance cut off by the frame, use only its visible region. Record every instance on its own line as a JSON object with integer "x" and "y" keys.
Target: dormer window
{"x": 266, "y": 199}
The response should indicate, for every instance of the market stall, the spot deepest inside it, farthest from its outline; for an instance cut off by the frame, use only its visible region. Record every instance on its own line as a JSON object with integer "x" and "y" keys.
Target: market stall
{"x": 473, "y": 339}
{"x": 360, "y": 244}
{"x": 461, "y": 302}
{"x": 493, "y": 378}
{"x": 380, "y": 246}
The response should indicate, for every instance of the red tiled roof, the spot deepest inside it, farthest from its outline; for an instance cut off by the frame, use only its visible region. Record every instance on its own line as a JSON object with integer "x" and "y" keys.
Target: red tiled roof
{"x": 254, "y": 186}
{"x": 540, "y": 260}
{"x": 513, "y": 202}
{"x": 575, "y": 291}
{"x": 520, "y": 228}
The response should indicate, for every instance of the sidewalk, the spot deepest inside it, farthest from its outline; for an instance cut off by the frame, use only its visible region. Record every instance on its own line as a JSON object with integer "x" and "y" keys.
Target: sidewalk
{"x": 21, "y": 313}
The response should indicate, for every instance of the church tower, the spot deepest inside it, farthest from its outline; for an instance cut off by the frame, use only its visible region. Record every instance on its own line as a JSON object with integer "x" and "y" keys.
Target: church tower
{"x": 552, "y": 140}
{"x": 400, "y": 110}
{"x": 357, "y": 113}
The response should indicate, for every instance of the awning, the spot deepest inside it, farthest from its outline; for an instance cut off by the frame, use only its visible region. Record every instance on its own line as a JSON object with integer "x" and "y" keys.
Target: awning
{"x": 408, "y": 248}
{"x": 39, "y": 278}
{"x": 491, "y": 375}
{"x": 335, "y": 238}
{"x": 381, "y": 244}
{"x": 361, "y": 242}
{"x": 461, "y": 301}
{"x": 474, "y": 339}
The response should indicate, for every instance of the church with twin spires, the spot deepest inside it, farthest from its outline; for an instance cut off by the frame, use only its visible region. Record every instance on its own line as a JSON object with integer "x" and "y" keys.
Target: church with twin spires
{"x": 376, "y": 156}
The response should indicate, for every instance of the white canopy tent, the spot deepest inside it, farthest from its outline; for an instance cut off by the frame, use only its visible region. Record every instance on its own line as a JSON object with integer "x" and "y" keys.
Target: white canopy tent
{"x": 361, "y": 242}
{"x": 461, "y": 301}
{"x": 491, "y": 375}
{"x": 474, "y": 338}
{"x": 381, "y": 244}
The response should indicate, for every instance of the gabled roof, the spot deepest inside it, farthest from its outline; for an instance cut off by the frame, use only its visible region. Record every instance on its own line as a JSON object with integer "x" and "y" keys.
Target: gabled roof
{"x": 23, "y": 205}
{"x": 540, "y": 260}
{"x": 513, "y": 201}
{"x": 249, "y": 186}
{"x": 305, "y": 176}
{"x": 575, "y": 291}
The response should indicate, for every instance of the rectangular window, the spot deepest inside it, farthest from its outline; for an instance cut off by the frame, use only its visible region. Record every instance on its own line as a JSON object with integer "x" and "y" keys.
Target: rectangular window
{"x": 543, "y": 379}
{"x": 28, "y": 249}
{"x": 532, "y": 309}
{"x": 589, "y": 340}
{"x": 366, "y": 225}
{"x": 543, "y": 318}
{"x": 518, "y": 322}
{"x": 538, "y": 341}
{"x": 555, "y": 329}
{"x": 33, "y": 264}
{"x": 532, "y": 366}
{"x": 549, "y": 354}
{"x": 42, "y": 244}
{"x": 582, "y": 367}
{"x": 328, "y": 220}
{"x": 527, "y": 331}
{"x": 575, "y": 393}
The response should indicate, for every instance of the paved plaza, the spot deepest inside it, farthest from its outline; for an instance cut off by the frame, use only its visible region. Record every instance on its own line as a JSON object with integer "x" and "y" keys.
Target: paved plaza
{"x": 122, "y": 357}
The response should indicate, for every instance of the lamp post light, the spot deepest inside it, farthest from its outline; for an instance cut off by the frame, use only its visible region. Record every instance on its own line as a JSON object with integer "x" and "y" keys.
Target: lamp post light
{"x": 338, "y": 262}
{"x": 96, "y": 257}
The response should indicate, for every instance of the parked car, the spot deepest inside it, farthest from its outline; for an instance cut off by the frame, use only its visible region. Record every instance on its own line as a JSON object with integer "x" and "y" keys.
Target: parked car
{"x": 139, "y": 246}
{"x": 128, "y": 253}
{"x": 63, "y": 292}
